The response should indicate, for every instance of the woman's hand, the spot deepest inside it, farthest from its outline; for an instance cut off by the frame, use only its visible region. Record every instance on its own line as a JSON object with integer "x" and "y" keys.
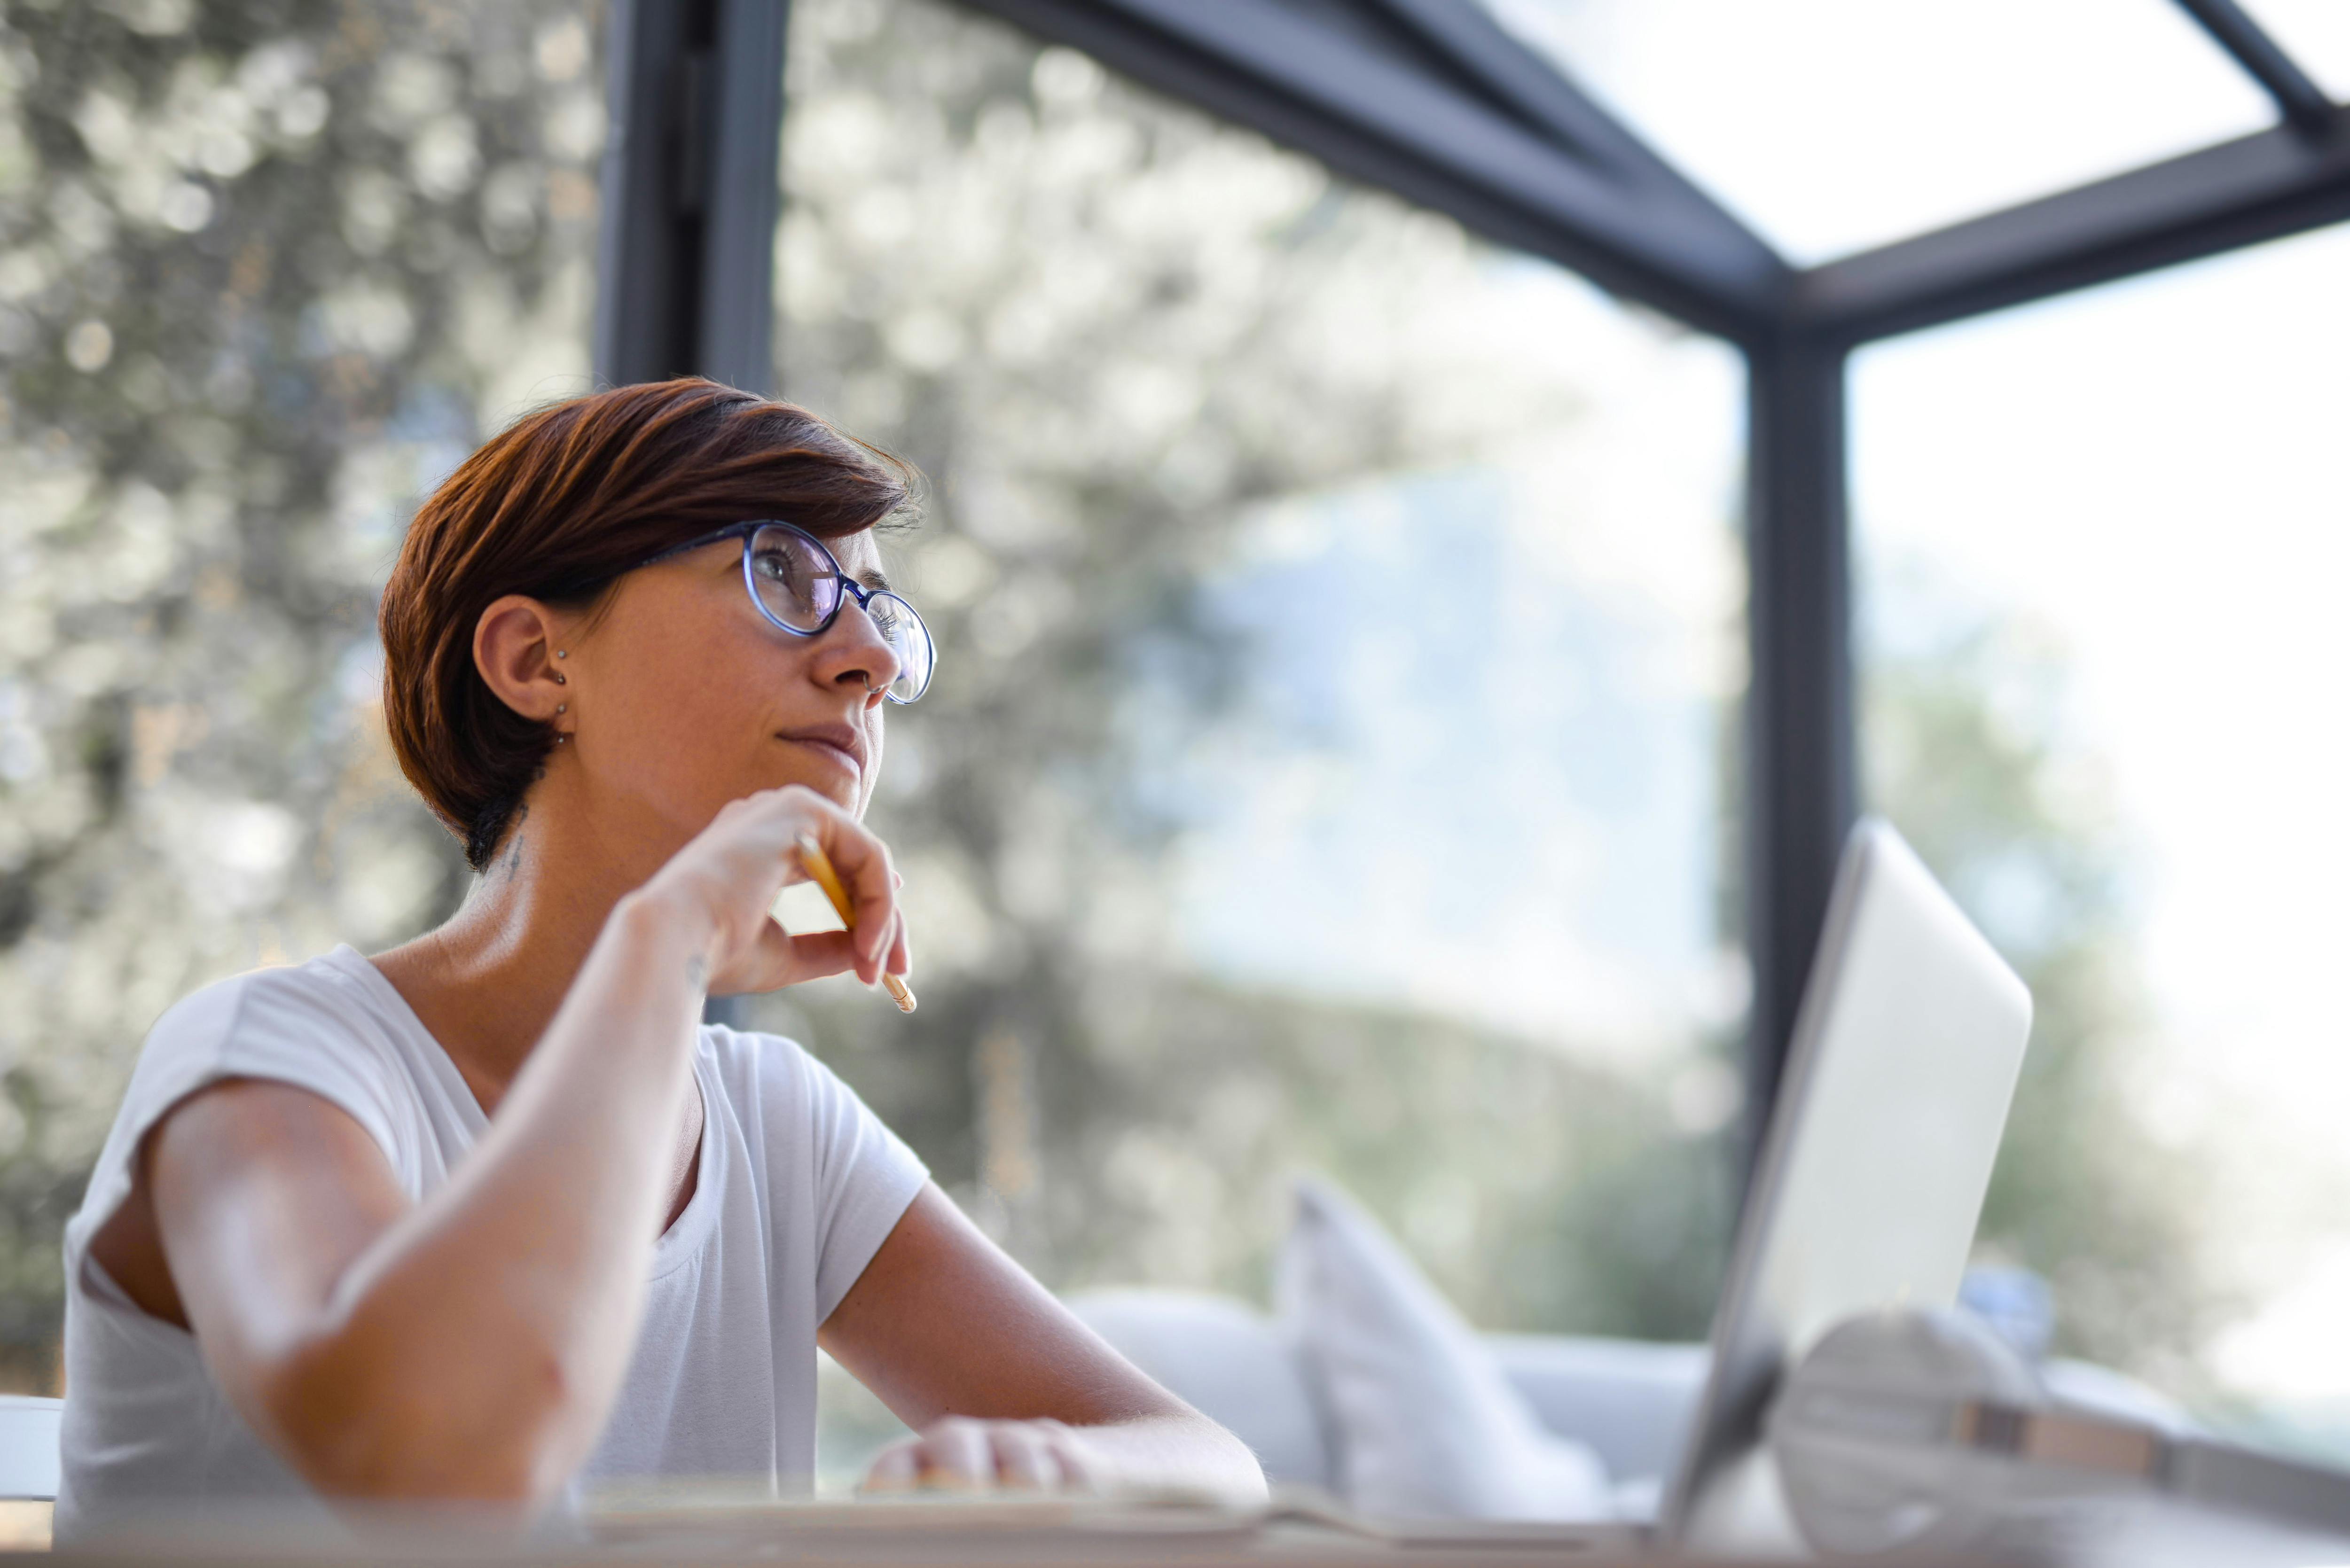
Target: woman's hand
{"x": 960, "y": 1453}
{"x": 1006, "y": 1388}
{"x": 727, "y": 878}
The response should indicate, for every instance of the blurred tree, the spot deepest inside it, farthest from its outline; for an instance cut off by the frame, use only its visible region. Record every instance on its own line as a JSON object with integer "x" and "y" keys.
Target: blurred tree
{"x": 1965, "y": 751}
{"x": 267, "y": 271}
{"x": 1109, "y": 328}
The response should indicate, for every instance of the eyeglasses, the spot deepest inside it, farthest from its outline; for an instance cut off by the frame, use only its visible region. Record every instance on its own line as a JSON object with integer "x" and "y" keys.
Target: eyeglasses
{"x": 799, "y": 586}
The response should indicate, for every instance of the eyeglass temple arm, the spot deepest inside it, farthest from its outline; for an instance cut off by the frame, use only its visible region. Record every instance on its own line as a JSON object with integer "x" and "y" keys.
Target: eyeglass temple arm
{"x": 733, "y": 531}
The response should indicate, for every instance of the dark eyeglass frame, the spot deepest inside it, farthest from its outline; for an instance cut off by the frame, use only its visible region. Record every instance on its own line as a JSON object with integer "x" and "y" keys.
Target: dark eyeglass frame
{"x": 864, "y": 597}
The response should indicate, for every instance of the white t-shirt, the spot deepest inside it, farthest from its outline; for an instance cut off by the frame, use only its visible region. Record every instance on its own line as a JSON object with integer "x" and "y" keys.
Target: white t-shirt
{"x": 798, "y": 1186}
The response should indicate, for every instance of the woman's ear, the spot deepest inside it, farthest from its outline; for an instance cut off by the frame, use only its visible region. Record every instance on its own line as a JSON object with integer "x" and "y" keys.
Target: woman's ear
{"x": 516, "y": 651}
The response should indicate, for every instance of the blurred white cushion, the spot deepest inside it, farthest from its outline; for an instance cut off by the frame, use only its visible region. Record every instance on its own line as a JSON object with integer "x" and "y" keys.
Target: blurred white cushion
{"x": 1425, "y": 1422}
{"x": 1631, "y": 1400}
{"x": 1225, "y": 1361}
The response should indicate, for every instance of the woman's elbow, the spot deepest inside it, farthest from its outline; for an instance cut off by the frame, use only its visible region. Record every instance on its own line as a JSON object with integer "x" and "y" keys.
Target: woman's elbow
{"x": 359, "y": 1422}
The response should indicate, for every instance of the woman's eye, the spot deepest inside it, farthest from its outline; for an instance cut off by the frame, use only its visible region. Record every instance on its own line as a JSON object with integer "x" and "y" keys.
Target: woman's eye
{"x": 774, "y": 568}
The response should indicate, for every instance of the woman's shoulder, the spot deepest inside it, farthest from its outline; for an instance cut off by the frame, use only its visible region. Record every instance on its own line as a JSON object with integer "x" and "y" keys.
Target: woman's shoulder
{"x": 810, "y": 1127}
{"x": 324, "y": 989}
{"x": 329, "y": 1024}
{"x": 777, "y": 1081}
{"x": 752, "y": 1066}
{"x": 316, "y": 1025}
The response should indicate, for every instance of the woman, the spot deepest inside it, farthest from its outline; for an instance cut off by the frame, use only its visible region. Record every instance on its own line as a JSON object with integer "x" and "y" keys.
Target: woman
{"x": 491, "y": 1212}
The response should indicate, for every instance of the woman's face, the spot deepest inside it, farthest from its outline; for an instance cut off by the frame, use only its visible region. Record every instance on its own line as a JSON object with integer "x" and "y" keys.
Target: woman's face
{"x": 683, "y": 696}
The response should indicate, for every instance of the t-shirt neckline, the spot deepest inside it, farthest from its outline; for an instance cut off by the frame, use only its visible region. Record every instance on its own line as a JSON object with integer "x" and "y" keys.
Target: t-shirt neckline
{"x": 679, "y": 1240}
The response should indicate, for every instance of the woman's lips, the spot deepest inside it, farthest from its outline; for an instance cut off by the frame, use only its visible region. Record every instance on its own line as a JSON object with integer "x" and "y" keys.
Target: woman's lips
{"x": 844, "y": 754}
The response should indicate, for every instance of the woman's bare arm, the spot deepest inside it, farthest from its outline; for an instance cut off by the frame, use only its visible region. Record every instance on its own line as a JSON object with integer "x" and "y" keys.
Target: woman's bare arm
{"x": 470, "y": 1345}
{"x": 1003, "y": 1384}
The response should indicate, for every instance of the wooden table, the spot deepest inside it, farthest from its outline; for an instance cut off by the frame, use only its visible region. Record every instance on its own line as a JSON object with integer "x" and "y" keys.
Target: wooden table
{"x": 1054, "y": 1533}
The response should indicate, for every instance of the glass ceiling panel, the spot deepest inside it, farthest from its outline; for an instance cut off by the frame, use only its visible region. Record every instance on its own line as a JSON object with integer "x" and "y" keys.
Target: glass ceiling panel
{"x": 1833, "y": 126}
{"x": 2315, "y": 33}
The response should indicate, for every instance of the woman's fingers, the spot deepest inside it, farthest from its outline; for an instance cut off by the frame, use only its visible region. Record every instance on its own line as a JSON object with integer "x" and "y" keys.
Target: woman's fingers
{"x": 780, "y": 959}
{"x": 1024, "y": 1460}
{"x": 862, "y": 863}
{"x": 960, "y": 1454}
{"x": 753, "y": 850}
{"x": 901, "y": 950}
{"x": 814, "y": 954}
{"x": 898, "y": 1468}
{"x": 777, "y": 954}
{"x": 1080, "y": 1470}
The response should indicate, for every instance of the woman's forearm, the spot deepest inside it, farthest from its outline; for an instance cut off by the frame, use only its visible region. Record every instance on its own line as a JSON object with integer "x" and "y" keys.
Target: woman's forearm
{"x": 476, "y": 1347}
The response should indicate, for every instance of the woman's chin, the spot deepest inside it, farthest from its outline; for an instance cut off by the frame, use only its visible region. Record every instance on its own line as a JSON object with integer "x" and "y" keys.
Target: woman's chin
{"x": 824, "y": 769}
{"x": 835, "y": 784}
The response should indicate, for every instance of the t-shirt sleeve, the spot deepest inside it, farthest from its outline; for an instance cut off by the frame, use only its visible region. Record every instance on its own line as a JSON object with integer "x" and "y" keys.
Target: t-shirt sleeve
{"x": 865, "y": 1179}
{"x": 281, "y": 1026}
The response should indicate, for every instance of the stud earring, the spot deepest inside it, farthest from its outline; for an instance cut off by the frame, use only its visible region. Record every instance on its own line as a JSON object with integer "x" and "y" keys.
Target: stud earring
{"x": 563, "y": 707}
{"x": 562, "y": 681}
{"x": 562, "y": 653}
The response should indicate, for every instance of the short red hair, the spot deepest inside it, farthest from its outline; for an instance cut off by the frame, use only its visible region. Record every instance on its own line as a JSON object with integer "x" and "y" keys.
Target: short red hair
{"x": 557, "y": 507}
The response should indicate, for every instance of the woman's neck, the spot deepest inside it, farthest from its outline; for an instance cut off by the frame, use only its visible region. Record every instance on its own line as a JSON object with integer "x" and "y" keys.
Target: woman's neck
{"x": 487, "y": 981}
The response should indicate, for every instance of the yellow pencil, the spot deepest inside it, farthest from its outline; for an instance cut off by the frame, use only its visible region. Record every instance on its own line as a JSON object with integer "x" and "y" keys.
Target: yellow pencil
{"x": 819, "y": 867}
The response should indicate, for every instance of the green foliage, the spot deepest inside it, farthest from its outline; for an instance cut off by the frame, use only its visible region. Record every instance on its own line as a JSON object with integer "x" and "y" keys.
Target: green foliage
{"x": 1965, "y": 753}
{"x": 266, "y": 269}
{"x": 1540, "y": 1192}
{"x": 1107, "y": 326}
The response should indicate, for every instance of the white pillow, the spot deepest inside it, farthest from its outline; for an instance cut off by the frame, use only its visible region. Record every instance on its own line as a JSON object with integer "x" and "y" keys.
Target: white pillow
{"x": 1426, "y": 1425}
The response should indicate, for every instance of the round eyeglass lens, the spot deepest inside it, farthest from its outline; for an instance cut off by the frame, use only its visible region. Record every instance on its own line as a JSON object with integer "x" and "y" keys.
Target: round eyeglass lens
{"x": 794, "y": 578}
{"x": 908, "y": 639}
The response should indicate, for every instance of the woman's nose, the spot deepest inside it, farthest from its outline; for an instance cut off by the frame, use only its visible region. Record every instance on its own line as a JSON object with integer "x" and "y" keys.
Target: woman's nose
{"x": 855, "y": 651}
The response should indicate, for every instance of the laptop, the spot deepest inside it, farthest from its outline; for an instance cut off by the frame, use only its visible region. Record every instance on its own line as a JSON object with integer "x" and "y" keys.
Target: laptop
{"x": 1872, "y": 1173}
{"x": 1867, "y": 1189}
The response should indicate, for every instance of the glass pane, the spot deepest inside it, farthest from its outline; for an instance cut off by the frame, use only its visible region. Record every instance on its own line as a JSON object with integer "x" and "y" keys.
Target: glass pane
{"x": 266, "y": 273}
{"x": 2101, "y": 558}
{"x": 2315, "y": 33}
{"x": 1836, "y": 125}
{"x": 1340, "y": 642}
